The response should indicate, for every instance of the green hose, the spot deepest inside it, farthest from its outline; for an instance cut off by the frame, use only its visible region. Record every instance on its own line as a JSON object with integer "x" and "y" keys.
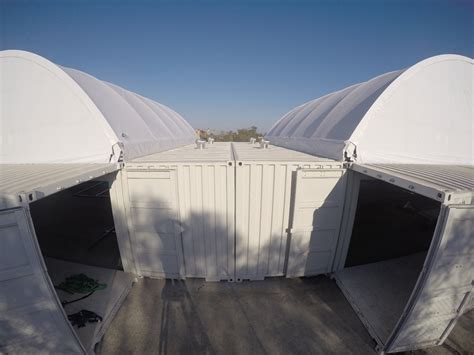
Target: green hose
{"x": 80, "y": 283}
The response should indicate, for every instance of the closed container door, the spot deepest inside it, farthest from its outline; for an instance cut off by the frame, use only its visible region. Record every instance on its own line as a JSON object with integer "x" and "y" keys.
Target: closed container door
{"x": 444, "y": 286}
{"x": 154, "y": 224}
{"x": 206, "y": 204}
{"x": 263, "y": 194}
{"x": 31, "y": 316}
{"x": 317, "y": 213}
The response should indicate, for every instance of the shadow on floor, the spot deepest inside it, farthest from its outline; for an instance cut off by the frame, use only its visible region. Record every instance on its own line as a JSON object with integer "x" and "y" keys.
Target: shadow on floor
{"x": 275, "y": 316}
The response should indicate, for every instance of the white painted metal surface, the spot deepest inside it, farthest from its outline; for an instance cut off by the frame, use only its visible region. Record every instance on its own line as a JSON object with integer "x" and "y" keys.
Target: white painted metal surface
{"x": 422, "y": 114}
{"x": 202, "y": 210}
{"x": 248, "y": 152}
{"x": 317, "y": 213}
{"x": 444, "y": 287}
{"x": 152, "y": 213}
{"x": 217, "y": 152}
{"x": 46, "y": 107}
{"x": 119, "y": 200}
{"x": 26, "y": 183}
{"x": 449, "y": 184}
{"x": 31, "y": 316}
{"x": 351, "y": 197}
{"x": 264, "y": 188}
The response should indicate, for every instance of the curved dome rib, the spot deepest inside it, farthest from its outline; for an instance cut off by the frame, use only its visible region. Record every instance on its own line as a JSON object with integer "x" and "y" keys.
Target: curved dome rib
{"x": 138, "y": 132}
{"x": 315, "y": 117}
{"x": 283, "y": 121}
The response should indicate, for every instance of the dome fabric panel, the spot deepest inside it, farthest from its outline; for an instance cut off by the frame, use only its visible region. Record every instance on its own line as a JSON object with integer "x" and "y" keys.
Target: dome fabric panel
{"x": 282, "y": 122}
{"x": 347, "y": 113}
{"x": 425, "y": 117}
{"x": 45, "y": 117}
{"x": 52, "y": 114}
{"x": 137, "y": 132}
{"x": 154, "y": 122}
{"x": 419, "y": 115}
{"x": 319, "y": 113}
{"x": 185, "y": 127}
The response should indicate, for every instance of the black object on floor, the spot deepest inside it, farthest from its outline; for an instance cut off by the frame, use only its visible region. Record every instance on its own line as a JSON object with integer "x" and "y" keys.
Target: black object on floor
{"x": 82, "y": 317}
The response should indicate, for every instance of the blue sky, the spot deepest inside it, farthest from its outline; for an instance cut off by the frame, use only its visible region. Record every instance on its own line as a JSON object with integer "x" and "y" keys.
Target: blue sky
{"x": 231, "y": 64}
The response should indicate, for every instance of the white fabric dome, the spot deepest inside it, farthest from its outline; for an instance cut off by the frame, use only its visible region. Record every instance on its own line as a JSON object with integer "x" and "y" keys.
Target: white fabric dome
{"x": 423, "y": 114}
{"x": 51, "y": 114}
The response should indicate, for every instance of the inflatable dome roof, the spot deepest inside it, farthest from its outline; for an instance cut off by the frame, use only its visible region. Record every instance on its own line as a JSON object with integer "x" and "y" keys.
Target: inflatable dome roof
{"x": 423, "y": 114}
{"x": 52, "y": 114}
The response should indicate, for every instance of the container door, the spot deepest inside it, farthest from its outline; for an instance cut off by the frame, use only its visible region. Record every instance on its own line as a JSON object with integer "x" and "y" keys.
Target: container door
{"x": 444, "y": 286}
{"x": 31, "y": 316}
{"x": 317, "y": 213}
{"x": 153, "y": 221}
{"x": 263, "y": 194}
{"x": 206, "y": 205}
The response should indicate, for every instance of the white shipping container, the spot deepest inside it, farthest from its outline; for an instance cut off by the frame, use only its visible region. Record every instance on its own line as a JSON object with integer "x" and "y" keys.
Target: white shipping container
{"x": 265, "y": 183}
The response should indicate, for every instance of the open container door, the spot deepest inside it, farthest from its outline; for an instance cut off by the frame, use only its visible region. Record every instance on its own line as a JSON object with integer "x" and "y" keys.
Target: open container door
{"x": 444, "y": 287}
{"x": 316, "y": 219}
{"x": 45, "y": 236}
{"x": 411, "y": 298}
{"x": 31, "y": 316}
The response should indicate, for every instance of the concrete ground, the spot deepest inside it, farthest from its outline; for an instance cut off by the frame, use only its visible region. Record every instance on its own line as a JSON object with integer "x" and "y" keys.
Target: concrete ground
{"x": 275, "y": 316}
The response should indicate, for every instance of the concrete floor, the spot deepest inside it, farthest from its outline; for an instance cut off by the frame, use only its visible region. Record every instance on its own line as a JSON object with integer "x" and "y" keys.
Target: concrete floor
{"x": 275, "y": 316}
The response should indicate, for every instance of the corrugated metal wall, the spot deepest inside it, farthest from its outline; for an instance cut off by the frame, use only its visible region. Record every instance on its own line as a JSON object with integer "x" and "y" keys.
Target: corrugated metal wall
{"x": 263, "y": 206}
{"x": 152, "y": 210}
{"x": 317, "y": 212}
{"x": 206, "y": 200}
{"x": 233, "y": 207}
{"x": 204, "y": 209}
{"x": 265, "y": 183}
{"x": 263, "y": 193}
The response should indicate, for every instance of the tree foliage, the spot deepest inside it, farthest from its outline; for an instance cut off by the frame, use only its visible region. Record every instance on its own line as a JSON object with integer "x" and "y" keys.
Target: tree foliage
{"x": 241, "y": 135}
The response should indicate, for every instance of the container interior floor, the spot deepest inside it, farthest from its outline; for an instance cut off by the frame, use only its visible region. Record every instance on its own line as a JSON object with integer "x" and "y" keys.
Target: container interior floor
{"x": 392, "y": 232}
{"x": 75, "y": 230}
{"x": 379, "y": 291}
{"x": 104, "y": 302}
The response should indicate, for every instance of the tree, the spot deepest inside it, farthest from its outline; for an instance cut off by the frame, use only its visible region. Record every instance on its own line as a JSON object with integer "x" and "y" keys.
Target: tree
{"x": 242, "y": 135}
